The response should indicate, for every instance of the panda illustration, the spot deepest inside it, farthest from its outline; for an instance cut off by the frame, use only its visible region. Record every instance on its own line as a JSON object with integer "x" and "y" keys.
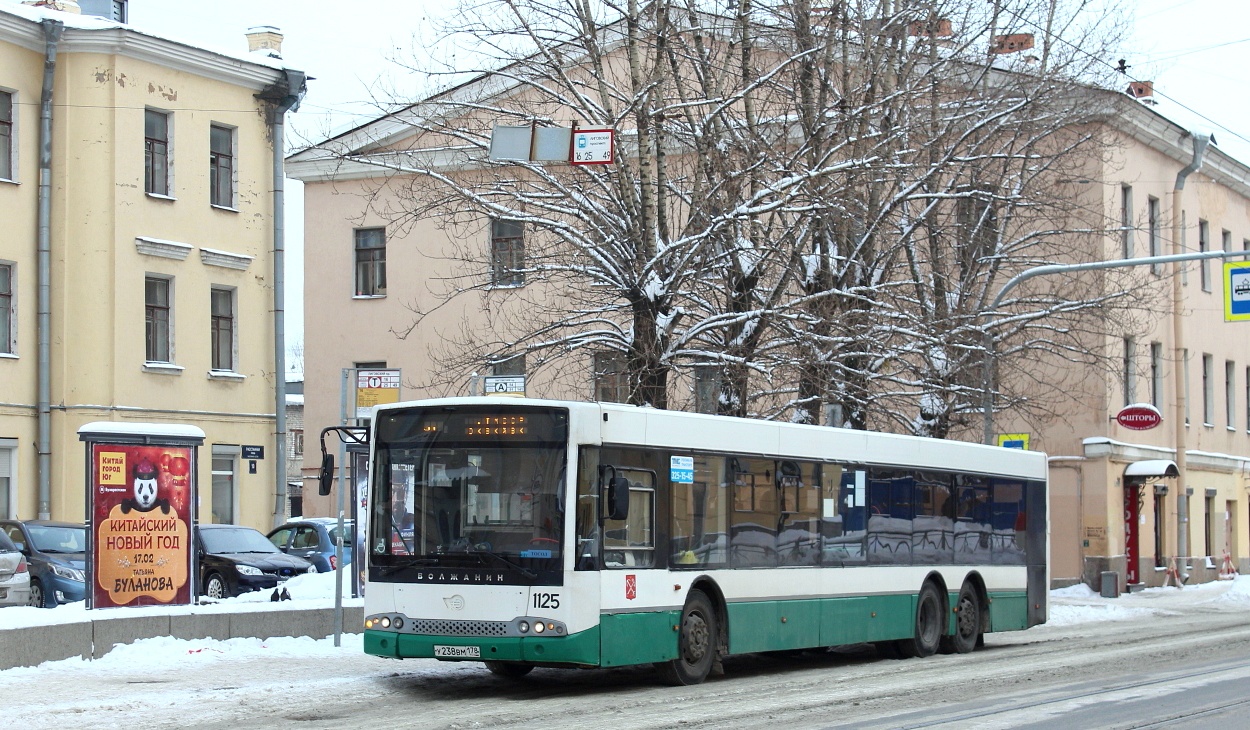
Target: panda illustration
{"x": 145, "y": 490}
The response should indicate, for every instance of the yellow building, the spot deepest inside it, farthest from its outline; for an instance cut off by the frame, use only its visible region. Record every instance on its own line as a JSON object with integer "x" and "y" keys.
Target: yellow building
{"x": 140, "y": 259}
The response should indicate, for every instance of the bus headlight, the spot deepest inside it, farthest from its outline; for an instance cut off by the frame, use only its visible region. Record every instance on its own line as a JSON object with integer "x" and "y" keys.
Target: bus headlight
{"x": 524, "y": 627}
{"x": 385, "y": 622}
{"x": 538, "y": 627}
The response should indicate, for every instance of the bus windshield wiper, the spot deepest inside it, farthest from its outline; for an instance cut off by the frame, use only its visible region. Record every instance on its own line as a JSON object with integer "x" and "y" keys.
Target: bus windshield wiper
{"x": 414, "y": 563}
{"x": 501, "y": 559}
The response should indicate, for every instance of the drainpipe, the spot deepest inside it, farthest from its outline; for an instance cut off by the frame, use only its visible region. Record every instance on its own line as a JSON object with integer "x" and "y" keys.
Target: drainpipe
{"x": 1200, "y": 141}
{"x": 285, "y": 96}
{"x": 52, "y": 37}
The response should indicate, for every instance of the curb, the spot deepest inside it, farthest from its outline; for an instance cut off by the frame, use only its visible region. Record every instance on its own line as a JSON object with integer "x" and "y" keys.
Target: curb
{"x": 93, "y": 638}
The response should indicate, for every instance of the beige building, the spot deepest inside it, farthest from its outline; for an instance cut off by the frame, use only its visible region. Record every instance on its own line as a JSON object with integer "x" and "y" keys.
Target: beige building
{"x": 1124, "y": 497}
{"x": 155, "y": 232}
{"x": 365, "y": 277}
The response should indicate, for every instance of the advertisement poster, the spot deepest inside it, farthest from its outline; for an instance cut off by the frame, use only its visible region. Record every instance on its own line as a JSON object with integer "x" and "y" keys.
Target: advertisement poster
{"x": 141, "y": 508}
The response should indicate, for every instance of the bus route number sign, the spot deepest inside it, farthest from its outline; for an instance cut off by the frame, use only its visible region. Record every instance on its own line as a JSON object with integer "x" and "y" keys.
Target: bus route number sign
{"x": 592, "y": 147}
{"x": 681, "y": 469}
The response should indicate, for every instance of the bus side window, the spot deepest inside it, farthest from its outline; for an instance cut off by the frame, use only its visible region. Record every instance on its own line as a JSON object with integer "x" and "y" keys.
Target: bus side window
{"x": 630, "y": 543}
{"x": 698, "y": 529}
{"x": 586, "y": 518}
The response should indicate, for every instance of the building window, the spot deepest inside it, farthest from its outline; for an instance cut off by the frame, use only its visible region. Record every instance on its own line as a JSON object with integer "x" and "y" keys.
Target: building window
{"x": 1152, "y": 221}
{"x": 1230, "y": 395}
{"x": 1226, "y": 241}
{"x": 1156, "y": 374}
{"x": 514, "y": 365}
{"x": 977, "y": 221}
{"x": 371, "y": 262}
{"x": 1208, "y": 390}
{"x": 222, "y": 304}
{"x": 6, "y": 135}
{"x": 507, "y": 253}
{"x": 297, "y": 442}
{"x": 8, "y": 463}
{"x": 1209, "y": 542}
{"x": 1248, "y": 399}
{"x": 224, "y": 460}
{"x": 611, "y": 377}
{"x": 221, "y": 166}
{"x": 159, "y": 332}
{"x": 7, "y": 346}
{"x": 1129, "y": 369}
{"x": 156, "y": 152}
{"x": 1185, "y": 377}
{"x": 1204, "y": 245}
{"x": 1126, "y": 220}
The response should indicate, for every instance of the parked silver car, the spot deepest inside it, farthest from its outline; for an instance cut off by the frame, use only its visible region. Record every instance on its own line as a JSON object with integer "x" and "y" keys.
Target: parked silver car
{"x": 14, "y": 574}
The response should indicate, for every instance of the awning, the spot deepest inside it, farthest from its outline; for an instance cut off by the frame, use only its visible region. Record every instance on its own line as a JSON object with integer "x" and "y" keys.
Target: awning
{"x": 1152, "y": 468}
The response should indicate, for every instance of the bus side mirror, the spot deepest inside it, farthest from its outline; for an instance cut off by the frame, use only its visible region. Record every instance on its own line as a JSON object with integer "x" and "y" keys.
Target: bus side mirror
{"x": 618, "y": 498}
{"x": 326, "y": 478}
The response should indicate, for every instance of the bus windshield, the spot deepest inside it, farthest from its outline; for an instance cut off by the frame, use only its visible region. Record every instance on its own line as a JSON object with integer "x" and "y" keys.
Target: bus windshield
{"x": 468, "y": 485}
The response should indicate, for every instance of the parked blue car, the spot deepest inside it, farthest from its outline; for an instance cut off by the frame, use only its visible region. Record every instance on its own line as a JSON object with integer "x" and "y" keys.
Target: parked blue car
{"x": 313, "y": 539}
{"x": 57, "y": 555}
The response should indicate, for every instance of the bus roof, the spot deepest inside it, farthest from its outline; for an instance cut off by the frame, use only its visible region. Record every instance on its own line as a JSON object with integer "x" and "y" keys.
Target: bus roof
{"x": 626, "y": 424}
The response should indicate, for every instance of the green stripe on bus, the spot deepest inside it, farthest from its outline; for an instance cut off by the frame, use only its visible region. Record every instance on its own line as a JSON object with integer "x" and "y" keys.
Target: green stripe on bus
{"x": 645, "y": 637}
{"x": 775, "y": 625}
{"x": 580, "y": 649}
{"x": 1009, "y": 611}
{"x": 639, "y": 638}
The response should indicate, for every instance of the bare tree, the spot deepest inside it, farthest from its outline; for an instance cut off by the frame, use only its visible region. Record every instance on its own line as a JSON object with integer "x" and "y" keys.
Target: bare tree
{"x": 819, "y": 198}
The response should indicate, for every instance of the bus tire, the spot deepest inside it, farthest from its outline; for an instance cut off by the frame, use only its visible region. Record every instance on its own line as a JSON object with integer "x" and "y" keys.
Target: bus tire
{"x": 930, "y": 624}
{"x": 511, "y": 670}
{"x": 696, "y": 643}
{"x": 967, "y": 634}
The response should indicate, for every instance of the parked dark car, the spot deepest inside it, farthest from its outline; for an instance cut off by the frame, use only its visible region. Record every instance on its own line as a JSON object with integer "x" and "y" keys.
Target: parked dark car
{"x": 14, "y": 575}
{"x": 56, "y": 553}
{"x": 235, "y": 559}
{"x": 314, "y": 539}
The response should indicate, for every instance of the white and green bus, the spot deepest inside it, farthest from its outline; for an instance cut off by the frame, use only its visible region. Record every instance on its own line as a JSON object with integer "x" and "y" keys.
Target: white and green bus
{"x": 528, "y": 533}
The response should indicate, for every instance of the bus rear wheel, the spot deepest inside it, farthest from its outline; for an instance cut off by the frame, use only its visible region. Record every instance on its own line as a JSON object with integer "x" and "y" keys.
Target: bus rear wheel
{"x": 929, "y": 627}
{"x": 696, "y": 643}
{"x": 511, "y": 670}
{"x": 967, "y": 634}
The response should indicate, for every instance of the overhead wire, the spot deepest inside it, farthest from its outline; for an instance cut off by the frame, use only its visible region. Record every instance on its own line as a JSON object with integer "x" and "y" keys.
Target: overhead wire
{"x": 1053, "y": 37}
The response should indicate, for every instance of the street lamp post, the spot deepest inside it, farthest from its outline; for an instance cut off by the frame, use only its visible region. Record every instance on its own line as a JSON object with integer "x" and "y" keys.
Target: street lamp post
{"x": 987, "y": 393}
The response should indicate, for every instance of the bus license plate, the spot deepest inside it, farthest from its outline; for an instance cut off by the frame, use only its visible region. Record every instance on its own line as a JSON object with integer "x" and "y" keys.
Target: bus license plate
{"x": 458, "y": 652}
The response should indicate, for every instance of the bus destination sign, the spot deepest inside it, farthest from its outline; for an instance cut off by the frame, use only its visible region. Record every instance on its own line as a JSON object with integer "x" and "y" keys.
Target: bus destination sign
{"x": 496, "y": 426}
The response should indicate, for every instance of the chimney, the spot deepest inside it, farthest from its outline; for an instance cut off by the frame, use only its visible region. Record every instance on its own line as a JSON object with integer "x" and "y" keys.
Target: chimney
{"x": 1143, "y": 91}
{"x": 266, "y": 39}
{"x": 1012, "y": 43}
{"x": 107, "y": 9}
{"x": 65, "y": 6}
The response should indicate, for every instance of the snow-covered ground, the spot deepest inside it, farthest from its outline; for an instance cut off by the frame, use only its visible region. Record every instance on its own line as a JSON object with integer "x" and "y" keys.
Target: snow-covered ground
{"x": 306, "y": 591}
{"x": 217, "y": 678}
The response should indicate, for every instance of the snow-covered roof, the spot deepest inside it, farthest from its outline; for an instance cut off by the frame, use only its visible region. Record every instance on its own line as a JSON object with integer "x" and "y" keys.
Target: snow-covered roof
{"x": 20, "y": 24}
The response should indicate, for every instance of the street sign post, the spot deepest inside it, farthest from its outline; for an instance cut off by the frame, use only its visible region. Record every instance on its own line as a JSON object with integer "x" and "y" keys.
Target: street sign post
{"x": 1236, "y": 291}
{"x": 374, "y": 387}
{"x": 592, "y": 147}
{"x": 504, "y": 384}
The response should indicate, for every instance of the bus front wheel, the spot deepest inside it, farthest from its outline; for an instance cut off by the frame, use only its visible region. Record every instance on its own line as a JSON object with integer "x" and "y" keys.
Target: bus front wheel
{"x": 929, "y": 627}
{"x": 696, "y": 643}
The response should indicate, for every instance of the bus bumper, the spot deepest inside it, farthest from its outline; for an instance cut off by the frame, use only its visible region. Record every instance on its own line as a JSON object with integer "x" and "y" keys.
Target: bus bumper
{"x": 581, "y": 649}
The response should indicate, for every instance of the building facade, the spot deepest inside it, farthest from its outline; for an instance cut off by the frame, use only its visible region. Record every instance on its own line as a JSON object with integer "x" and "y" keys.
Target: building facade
{"x": 152, "y": 242}
{"x": 1124, "y": 500}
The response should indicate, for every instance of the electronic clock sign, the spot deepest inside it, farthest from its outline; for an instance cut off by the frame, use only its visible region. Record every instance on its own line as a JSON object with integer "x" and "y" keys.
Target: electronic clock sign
{"x": 496, "y": 426}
